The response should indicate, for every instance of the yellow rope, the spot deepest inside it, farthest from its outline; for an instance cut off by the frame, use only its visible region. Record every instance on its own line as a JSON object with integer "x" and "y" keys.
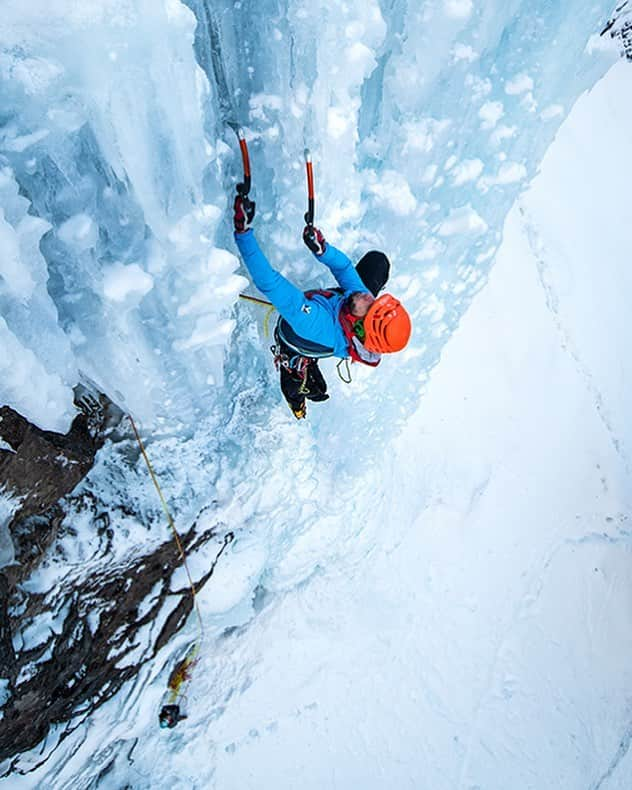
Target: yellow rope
{"x": 173, "y": 529}
{"x": 266, "y": 321}
{"x": 269, "y": 311}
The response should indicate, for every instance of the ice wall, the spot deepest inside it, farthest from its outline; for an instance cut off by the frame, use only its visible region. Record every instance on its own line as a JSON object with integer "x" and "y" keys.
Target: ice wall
{"x": 102, "y": 130}
{"x": 425, "y": 123}
{"x": 426, "y": 120}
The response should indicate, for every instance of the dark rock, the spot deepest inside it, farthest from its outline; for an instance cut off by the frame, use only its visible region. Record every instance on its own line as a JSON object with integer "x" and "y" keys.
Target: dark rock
{"x": 44, "y": 466}
{"x": 99, "y": 647}
{"x": 100, "y": 612}
{"x": 7, "y": 655}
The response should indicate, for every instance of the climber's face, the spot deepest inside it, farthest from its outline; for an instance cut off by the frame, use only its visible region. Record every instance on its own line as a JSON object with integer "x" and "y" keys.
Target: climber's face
{"x": 359, "y": 303}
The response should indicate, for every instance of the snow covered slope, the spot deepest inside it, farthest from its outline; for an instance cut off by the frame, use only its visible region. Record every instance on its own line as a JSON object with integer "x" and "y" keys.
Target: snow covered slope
{"x": 475, "y": 632}
{"x": 426, "y": 588}
{"x": 484, "y": 641}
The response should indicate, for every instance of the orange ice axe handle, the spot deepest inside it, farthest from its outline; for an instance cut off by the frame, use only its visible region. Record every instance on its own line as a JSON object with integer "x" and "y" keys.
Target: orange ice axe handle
{"x": 309, "y": 214}
{"x": 244, "y": 188}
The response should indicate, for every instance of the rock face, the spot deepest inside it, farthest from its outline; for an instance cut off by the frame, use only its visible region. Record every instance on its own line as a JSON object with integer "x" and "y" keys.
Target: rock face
{"x": 43, "y": 468}
{"x": 93, "y": 638}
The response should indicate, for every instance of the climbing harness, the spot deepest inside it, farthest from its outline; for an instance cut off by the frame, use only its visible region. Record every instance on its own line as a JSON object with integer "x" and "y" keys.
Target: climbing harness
{"x": 296, "y": 366}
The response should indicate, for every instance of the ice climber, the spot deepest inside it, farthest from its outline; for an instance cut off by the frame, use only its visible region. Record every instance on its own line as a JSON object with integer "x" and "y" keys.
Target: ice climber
{"x": 350, "y": 321}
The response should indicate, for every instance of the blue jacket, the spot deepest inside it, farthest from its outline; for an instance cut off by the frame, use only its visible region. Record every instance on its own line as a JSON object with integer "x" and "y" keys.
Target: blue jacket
{"x": 315, "y": 319}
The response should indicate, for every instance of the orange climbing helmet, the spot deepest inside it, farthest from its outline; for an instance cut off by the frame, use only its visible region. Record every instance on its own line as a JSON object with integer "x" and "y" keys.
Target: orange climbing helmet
{"x": 387, "y": 325}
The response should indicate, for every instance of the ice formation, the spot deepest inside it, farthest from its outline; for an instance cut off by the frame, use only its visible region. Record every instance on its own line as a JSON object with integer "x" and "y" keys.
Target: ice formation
{"x": 426, "y": 122}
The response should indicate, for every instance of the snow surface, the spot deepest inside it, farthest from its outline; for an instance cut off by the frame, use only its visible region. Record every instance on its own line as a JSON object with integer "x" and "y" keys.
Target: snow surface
{"x": 429, "y": 578}
{"x": 473, "y": 631}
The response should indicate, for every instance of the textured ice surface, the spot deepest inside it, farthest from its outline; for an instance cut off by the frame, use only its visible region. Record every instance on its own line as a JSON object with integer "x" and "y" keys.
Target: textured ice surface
{"x": 102, "y": 124}
{"x": 469, "y": 627}
{"x": 426, "y": 122}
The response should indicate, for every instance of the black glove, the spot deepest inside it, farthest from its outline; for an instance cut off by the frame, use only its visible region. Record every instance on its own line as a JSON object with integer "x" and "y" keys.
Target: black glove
{"x": 244, "y": 213}
{"x": 314, "y": 239}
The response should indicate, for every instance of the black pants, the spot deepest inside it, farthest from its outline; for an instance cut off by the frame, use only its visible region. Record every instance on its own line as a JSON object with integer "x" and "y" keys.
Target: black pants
{"x": 300, "y": 378}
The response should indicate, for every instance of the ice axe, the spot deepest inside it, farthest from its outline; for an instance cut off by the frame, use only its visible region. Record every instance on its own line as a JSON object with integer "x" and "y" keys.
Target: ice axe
{"x": 309, "y": 214}
{"x": 243, "y": 188}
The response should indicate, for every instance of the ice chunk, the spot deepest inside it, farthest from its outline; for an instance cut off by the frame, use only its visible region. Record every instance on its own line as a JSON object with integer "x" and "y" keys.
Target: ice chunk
{"x": 26, "y": 386}
{"x": 469, "y": 170}
{"x": 521, "y": 83}
{"x": 490, "y": 113}
{"x": 459, "y": 9}
{"x": 393, "y": 191}
{"x": 79, "y": 232}
{"x": 464, "y": 52}
{"x": 508, "y": 173}
{"x": 16, "y": 279}
{"x": 126, "y": 283}
{"x": 463, "y": 220}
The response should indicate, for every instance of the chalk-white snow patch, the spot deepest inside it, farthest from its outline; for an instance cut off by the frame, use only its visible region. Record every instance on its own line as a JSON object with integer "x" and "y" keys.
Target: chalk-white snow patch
{"x": 511, "y": 173}
{"x": 490, "y": 113}
{"x": 502, "y": 132}
{"x": 480, "y": 87}
{"x": 422, "y": 135}
{"x": 79, "y": 232}
{"x": 339, "y": 121}
{"x": 468, "y": 170}
{"x": 521, "y": 83}
{"x": 360, "y": 61}
{"x": 393, "y": 191}
{"x": 463, "y": 52}
{"x": 430, "y": 249}
{"x": 126, "y": 282}
{"x": 458, "y": 9}
{"x": 429, "y": 174}
{"x": 35, "y": 74}
{"x": 552, "y": 111}
{"x": 463, "y": 220}
{"x": 508, "y": 173}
